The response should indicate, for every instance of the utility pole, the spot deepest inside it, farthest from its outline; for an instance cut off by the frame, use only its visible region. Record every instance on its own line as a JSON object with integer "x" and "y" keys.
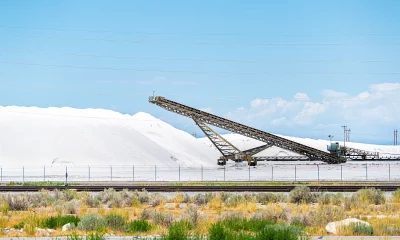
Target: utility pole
{"x": 395, "y": 137}
{"x": 348, "y": 135}
{"x": 344, "y": 136}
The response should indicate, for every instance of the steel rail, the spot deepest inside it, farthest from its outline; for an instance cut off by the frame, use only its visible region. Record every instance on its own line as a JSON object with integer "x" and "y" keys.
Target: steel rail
{"x": 163, "y": 188}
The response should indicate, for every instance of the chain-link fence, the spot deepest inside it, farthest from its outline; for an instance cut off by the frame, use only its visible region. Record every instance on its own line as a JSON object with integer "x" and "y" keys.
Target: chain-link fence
{"x": 266, "y": 172}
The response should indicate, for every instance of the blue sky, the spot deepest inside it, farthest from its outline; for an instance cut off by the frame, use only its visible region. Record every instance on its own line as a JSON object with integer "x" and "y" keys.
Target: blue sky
{"x": 299, "y": 68}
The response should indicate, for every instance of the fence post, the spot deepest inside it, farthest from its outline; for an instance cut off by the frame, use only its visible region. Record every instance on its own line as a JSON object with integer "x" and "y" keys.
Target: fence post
{"x": 366, "y": 172}
{"x": 224, "y": 173}
{"x": 179, "y": 173}
{"x": 389, "y": 172}
{"x": 272, "y": 172}
{"x": 201, "y": 172}
{"x": 341, "y": 172}
{"x": 23, "y": 174}
{"x": 44, "y": 173}
{"x": 295, "y": 173}
{"x": 155, "y": 173}
{"x": 89, "y": 172}
{"x": 111, "y": 172}
{"x": 318, "y": 171}
{"x": 133, "y": 173}
{"x": 249, "y": 173}
{"x": 66, "y": 176}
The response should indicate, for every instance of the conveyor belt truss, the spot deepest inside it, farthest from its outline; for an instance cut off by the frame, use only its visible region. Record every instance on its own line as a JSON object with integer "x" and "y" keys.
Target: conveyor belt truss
{"x": 354, "y": 153}
{"x": 227, "y": 149}
{"x": 270, "y": 139}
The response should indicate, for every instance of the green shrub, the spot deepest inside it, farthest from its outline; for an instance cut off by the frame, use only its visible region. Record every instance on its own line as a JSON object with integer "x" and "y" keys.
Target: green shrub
{"x": 271, "y": 214}
{"x": 279, "y": 232}
{"x": 301, "y": 220}
{"x": 140, "y": 225}
{"x": 74, "y": 236}
{"x": 164, "y": 219}
{"x": 396, "y": 196}
{"x": 360, "y": 229}
{"x": 156, "y": 200}
{"x": 95, "y": 236}
{"x": 219, "y": 232}
{"x": 59, "y": 221}
{"x": 325, "y": 214}
{"x": 158, "y": 218}
{"x": 300, "y": 194}
{"x": 369, "y": 196}
{"x": 234, "y": 200}
{"x": 18, "y": 202}
{"x": 90, "y": 201}
{"x": 243, "y": 224}
{"x": 70, "y": 194}
{"x": 72, "y": 207}
{"x": 19, "y": 225}
{"x": 202, "y": 199}
{"x": 178, "y": 231}
{"x": 92, "y": 222}
{"x": 115, "y": 221}
{"x": 329, "y": 198}
{"x": 142, "y": 196}
{"x": 147, "y": 213}
{"x": 191, "y": 215}
{"x": 265, "y": 198}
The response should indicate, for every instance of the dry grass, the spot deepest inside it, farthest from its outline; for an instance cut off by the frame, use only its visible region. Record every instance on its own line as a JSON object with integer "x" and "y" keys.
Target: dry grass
{"x": 216, "y": 203}
{"x": 213, "y": 207}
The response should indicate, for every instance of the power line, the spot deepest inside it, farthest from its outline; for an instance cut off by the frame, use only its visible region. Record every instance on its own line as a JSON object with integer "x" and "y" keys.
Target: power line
{"x": 196, "y": 72}
{"x": 195, "y": 59}
{"x": 196, "y": 33}
{"x": 140, "y": 41}
{"x": 85, "y": 91}
{"x": 41, "y": 88}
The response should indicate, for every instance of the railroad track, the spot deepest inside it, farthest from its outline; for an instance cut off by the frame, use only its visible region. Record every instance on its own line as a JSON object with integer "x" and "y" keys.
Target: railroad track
{"x": 161, "y": 188}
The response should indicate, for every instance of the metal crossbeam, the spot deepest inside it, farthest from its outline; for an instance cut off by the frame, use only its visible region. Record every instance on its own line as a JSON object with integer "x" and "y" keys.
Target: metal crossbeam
{"x": 361, "y": 153}
{"x": 254, "y": 151}
{"x": 282, "y": 158}
{"x": 312, "y": 153}
{"x": 225, "y": 147}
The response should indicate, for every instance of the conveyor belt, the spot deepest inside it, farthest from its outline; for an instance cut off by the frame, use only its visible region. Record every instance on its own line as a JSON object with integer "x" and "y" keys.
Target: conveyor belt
{"x": 201, "y": 116}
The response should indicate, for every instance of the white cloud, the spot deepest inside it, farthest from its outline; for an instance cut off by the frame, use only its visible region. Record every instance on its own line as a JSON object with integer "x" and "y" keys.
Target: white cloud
{"x": 331, "y": 95}
{"x": 301, "y": 96}
{"x": 365, "y": 112}
{"x": 383, "y": 87}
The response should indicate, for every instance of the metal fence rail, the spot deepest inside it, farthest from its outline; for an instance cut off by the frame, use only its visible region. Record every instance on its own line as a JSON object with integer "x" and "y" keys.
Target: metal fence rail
{"x": 267, "y": 172}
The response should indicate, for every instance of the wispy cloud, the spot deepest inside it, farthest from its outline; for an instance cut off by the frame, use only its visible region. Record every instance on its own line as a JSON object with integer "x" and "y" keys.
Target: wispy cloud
{"x": 164, "y": 80}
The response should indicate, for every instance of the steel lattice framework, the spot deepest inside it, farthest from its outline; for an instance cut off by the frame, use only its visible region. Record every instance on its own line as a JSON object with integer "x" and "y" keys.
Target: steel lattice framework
{"x": 270, "y": 139}
{"x": 226, "y": 148}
